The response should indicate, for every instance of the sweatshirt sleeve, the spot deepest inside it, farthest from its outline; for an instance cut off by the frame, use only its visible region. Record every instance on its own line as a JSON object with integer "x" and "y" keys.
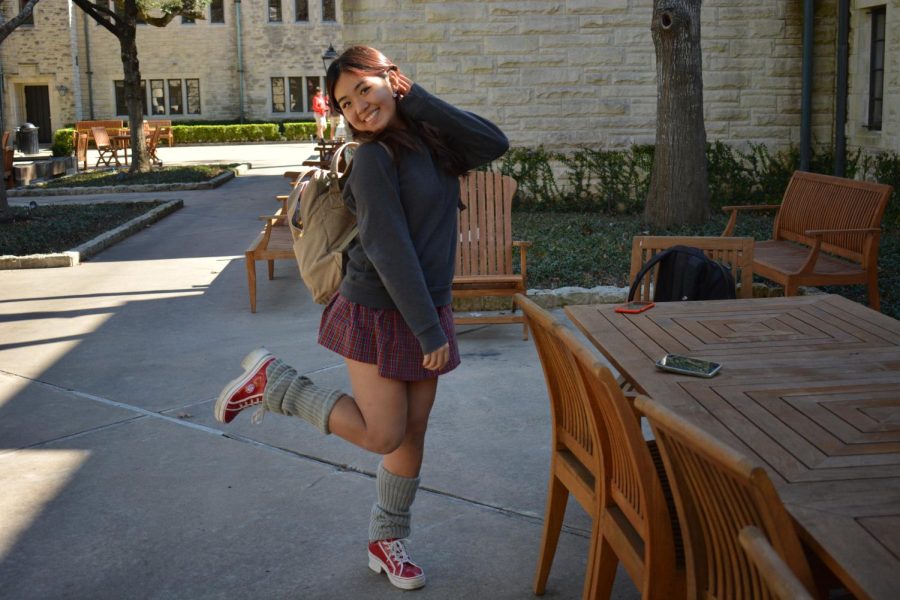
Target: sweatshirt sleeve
{"x": 384, "y": 235}
{"x": 478, "y": 140}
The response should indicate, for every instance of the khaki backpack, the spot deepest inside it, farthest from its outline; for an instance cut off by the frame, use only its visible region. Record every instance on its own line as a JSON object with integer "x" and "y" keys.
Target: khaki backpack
{"x": 322, "y": 227}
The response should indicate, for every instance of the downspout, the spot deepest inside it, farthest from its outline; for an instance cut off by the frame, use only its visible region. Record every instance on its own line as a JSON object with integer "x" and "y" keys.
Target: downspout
{"x": 240, "y": 58}
{"x": 806, "y": 92}
{"x": 840, "y": 107}
{"x": 87, "y": 66}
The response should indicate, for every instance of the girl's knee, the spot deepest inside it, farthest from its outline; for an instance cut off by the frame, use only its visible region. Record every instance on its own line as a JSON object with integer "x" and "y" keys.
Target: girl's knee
{"x": 384, "y": 442}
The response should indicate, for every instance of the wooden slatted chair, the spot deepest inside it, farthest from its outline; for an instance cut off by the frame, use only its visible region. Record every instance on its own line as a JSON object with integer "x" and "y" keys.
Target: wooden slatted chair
{"x": 718, "y": 492}
{"x": 782, "y": 584}
{"x": 736, "y": 253}
{"x": 637, "y": 516}
{"x": 575, "y": 455}
{"x": 152, "y": 144}
{"x": 826, "y": 232}
{"x": 484, "y": 260}
{"x": 107, "y": 151}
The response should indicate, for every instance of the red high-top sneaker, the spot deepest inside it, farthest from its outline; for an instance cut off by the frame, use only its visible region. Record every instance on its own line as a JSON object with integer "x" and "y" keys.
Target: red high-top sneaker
{"x": 247, "y": 390}
{"x": 391, "y": 557}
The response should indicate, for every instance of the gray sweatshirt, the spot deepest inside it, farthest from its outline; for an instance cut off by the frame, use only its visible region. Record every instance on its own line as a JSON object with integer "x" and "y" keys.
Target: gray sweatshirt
{"x": 405, "y": 254}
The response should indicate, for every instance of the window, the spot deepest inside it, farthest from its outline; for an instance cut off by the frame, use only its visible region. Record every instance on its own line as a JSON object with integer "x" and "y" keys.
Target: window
{"x": 274, "y": 11}
{"x": 876, "y": 69}
{"x": 193, "y": 96}
{"x": 157, "y": 97}
{"x": 119, "y": 90}
{"x": 295, "y": 89}
{"x": 176, "y": 97}
{"x": 30, "y": 19}
{"x": 328, "y": 10}
{"x": 217, "y": 11}
{"x": 301, "y": 10}
{"x": 187, "y": 20}
{"x": 278, "y": 94}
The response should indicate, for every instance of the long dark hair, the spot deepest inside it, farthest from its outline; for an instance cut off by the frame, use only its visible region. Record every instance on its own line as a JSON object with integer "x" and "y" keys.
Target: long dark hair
{"x": 366, "y": 62}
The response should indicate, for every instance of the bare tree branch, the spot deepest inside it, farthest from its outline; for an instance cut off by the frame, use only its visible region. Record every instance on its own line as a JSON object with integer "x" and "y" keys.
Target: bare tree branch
{"x": 8, "y": 27}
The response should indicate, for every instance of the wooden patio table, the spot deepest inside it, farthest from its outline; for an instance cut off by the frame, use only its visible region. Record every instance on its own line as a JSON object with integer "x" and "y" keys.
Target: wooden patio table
{"x": 809, "y": 387}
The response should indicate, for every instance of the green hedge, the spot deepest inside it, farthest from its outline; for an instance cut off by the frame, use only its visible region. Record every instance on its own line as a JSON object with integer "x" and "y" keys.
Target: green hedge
{"x": 617, "y": 181}
{"x": 299, "y": 131}
{"x": 64, "y": 142}
{"x": 217, "y": 133}
{"x": 199, "y": 134}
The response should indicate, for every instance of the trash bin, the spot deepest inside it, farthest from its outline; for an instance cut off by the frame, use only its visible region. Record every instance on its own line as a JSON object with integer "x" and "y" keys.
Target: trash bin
{"x": 27, "y": 139}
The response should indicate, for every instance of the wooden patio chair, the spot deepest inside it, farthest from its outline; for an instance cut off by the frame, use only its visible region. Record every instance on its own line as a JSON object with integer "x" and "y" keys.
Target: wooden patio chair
{"x": 638, "y": 526}
{"x": 780, "y": 582}
{"x": 107, "y": 151}
{"x": 81, "y": 148}
{"x": 576, "y": 457}
{"x": 718, "y": 492}
{"x": 736, "y": 253}
{"x": 152, "y": 144}
{"x": 484, "y": 259}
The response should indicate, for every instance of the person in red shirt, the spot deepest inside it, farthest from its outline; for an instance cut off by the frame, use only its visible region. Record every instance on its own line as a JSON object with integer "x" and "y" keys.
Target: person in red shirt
{"x": 320, "y": 108}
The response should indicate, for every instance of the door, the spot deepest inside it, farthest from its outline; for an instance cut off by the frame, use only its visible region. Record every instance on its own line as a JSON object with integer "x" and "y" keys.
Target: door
{"x": 37, "y": 111}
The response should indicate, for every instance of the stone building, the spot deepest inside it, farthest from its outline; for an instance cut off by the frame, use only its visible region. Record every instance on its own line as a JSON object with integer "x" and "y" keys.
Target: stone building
{"x": 560, "y": 73}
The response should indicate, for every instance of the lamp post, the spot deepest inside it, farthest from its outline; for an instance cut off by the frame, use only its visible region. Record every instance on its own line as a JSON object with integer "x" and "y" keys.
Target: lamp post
{"x": 329, "y": 57}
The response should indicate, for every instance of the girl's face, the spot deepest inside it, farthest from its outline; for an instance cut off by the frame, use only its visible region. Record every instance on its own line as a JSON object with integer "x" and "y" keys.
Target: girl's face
{"x": 367, "y": 102}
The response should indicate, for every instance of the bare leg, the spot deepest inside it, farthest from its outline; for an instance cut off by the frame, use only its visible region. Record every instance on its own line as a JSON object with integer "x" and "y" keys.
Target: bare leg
{"x": 406, "y": 460}
{"x": 375, "y": 417}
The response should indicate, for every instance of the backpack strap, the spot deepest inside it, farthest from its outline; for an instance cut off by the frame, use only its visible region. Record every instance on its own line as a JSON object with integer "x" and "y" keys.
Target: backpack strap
{"x": 647, "y": 266}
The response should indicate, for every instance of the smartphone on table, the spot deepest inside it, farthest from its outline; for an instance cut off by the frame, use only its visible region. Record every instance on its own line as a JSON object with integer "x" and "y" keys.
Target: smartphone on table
{"x": 688, "y": 366}
{"x": 635, "y": 306}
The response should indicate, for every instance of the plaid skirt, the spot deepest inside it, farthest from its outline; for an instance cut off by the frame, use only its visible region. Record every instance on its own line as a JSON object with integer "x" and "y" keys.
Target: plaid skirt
{"x": 381, "y": 337}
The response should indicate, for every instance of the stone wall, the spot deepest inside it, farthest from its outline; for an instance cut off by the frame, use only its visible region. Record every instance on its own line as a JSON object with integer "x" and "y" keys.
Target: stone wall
{"x": 208, "y": 52}
{"x": 561, "y": 73}
{"x": 40, "y": 55}
{"x": 565, "y": 73}
{"x": 858, "y": 134}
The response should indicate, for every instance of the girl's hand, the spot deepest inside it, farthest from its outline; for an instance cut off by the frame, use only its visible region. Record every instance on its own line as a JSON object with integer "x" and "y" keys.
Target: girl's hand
{"x": 400, "y": 83}
{"x": 435, "y": 361}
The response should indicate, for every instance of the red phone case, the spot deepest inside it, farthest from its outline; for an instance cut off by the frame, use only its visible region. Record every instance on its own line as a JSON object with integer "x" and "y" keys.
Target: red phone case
{"x": 624, "y": 308}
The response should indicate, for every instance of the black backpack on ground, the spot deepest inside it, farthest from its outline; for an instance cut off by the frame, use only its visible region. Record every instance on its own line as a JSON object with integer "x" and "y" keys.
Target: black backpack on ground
{"x": 686, "y": 273}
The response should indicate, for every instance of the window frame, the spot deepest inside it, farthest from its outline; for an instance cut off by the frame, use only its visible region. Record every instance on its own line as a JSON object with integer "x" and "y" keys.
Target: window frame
{"x": 188, "y": 100}
{"x": 170, "y": 95}
{"x": 275, "y": 5}
{"x": 333, "y": 11}
{"x": 877, "y": 55}
{"x": 221, "y": 4}
{"x": 298, "y": 12}
{"x": 162, "y": 105}
{"x": 275, "y": 100}
{"x": 29, "y": 22}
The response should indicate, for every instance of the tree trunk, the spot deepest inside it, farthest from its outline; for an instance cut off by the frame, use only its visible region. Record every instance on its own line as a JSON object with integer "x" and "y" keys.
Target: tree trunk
{"x": 140, "y": 162}
{"x": 679, "y": 186}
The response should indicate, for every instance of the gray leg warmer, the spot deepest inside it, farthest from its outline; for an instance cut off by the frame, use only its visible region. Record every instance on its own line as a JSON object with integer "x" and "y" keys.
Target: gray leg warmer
{"x": 390, "y": 515}
{"x": 289, "y": 394}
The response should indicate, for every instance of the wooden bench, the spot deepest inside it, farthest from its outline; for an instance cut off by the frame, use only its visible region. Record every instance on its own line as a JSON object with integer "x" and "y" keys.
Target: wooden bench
{"x": 165, "y": 127}
{"x": 826, "y": 232}
{"x": 85, "y": 127}
{"x": 273, "y": 243}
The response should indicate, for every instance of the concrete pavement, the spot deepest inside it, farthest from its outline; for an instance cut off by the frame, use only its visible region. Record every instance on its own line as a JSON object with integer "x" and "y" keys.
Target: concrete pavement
{"x": 116, "y": 482}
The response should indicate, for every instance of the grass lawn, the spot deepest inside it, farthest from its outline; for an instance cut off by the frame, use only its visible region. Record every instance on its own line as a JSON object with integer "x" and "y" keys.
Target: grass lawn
{"x": 179, "y": 174}
{"x": 57, "y": 228}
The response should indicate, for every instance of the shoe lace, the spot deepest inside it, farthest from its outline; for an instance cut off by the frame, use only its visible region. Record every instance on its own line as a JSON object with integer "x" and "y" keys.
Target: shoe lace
{"x": 398, "y": 551}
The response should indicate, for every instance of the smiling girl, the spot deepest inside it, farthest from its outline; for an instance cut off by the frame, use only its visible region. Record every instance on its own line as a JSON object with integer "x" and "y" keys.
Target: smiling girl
{"x": 391, "y": 319}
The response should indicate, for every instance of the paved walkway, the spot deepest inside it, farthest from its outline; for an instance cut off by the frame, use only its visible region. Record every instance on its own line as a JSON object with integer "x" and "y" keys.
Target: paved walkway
{"x": 116, "y": 482}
